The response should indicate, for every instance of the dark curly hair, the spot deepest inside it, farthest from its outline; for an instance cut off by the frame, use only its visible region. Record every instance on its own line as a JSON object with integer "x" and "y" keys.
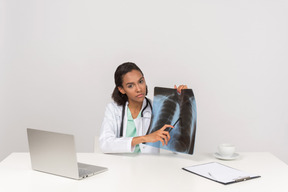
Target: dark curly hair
{"x": 121, "y": 70}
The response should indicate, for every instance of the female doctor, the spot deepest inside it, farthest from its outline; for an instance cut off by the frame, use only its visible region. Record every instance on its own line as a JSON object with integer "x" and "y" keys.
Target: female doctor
{"x": 128, "y": 117}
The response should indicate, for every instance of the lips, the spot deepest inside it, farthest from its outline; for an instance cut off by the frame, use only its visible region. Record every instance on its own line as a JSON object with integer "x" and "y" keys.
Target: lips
{"x": 140, "y": 95}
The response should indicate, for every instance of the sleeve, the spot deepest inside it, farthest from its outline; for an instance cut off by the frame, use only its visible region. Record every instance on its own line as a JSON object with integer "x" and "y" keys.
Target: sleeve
{"x": 109, "y": 143}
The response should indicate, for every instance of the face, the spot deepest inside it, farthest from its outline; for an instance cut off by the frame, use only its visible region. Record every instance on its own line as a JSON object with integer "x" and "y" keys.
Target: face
{"x": 134, "y": 86}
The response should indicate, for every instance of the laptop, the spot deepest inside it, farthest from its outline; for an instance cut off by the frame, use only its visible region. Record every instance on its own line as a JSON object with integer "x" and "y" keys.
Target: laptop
{"x": 55, "y": 153}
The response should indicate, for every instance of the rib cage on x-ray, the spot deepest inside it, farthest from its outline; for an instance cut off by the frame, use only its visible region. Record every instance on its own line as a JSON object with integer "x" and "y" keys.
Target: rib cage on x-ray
{"x": 168, "y": 107}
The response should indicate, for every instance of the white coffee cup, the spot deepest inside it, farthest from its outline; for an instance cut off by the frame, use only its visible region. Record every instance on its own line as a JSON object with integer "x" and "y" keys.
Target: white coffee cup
{"x": 226, "y": 149}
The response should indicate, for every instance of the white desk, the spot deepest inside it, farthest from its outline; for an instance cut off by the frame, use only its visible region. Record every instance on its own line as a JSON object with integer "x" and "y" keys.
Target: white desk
{"x": 145, "y": 173}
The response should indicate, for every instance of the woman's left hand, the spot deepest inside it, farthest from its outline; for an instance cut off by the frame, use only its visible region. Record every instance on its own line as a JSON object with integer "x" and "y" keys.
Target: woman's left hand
{"x": 180, "y": 87}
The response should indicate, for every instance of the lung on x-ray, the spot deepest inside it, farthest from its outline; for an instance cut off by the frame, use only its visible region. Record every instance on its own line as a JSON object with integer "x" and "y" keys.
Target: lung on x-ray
{"x": 170, "y": 107}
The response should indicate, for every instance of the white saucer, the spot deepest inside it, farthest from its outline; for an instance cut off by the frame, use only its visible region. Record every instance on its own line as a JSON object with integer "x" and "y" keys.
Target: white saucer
{"x": 234, "y": 156}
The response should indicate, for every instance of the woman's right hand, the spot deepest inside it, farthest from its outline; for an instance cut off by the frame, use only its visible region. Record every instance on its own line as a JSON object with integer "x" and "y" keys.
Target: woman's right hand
{"x": 159, "y": 135}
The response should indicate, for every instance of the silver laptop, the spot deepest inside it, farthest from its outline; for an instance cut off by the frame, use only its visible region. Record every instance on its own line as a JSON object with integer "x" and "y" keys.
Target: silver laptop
{"x": 55, "y": 153}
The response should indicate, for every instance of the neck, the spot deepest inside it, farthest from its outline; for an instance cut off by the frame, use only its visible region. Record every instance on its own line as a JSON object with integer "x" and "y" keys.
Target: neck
{"x": 135, "y": 108}
{"x": 135, "y": 105}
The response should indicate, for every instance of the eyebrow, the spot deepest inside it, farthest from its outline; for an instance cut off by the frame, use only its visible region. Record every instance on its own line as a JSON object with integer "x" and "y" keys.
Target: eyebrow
{"x": 129, "y": 83}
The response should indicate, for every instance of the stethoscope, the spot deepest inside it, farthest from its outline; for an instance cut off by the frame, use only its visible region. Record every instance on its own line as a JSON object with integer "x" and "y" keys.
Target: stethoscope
{"x": 123, "y": 113}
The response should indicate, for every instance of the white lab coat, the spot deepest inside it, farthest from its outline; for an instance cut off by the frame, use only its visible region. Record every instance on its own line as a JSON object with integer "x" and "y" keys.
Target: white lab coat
{"x": 110, "y": 141}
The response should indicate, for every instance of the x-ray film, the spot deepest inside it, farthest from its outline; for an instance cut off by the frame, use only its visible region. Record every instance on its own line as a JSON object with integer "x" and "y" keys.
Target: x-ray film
{"x": 170, "y": 107}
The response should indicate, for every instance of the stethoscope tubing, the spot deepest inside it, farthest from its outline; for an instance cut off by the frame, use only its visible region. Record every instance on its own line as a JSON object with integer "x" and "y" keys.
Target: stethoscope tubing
{"x": 123, "y": 113}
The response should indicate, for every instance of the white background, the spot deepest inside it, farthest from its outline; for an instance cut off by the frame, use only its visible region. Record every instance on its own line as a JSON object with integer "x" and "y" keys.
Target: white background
{"x": 58, "y": 57}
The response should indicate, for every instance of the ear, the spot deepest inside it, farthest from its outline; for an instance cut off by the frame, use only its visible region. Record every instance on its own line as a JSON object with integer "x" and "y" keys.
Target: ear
{"x": 121, "y": 90}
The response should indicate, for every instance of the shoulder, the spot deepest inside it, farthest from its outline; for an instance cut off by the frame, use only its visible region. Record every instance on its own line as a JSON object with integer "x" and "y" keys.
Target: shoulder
{"x": 114, "y": 107}
{"x": 150, "y": 101}
{"x": 147, "y": 107}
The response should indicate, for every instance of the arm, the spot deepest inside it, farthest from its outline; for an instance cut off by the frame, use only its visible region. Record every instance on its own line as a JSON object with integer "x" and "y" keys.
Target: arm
{"x": 159, "y": 135}
{"x": 109, "y": 140}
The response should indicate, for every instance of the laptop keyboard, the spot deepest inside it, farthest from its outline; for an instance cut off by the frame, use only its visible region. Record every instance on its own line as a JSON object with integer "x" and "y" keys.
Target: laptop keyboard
{"x": 83, "y": 172}
{"x": 86, "y": 170}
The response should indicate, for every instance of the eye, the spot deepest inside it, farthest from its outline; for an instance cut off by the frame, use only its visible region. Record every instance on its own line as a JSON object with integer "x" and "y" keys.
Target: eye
{"x": 141, "y": 81}
{"x": 130, "y": 86}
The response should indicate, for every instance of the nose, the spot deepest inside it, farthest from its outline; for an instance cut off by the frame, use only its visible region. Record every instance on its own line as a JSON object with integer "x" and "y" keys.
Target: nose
{"x": 138, "y": 88}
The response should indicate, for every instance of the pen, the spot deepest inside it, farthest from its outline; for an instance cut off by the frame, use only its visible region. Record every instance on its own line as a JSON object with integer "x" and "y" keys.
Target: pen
{"x": 242, "y": 179}
{"x": 176, "y": 122}
{"x": 212, "y": 176}
{"x": 170, "y": 129}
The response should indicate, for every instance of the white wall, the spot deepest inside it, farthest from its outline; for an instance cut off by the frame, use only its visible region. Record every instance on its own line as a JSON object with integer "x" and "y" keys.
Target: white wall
{"x": 58, "y": 57}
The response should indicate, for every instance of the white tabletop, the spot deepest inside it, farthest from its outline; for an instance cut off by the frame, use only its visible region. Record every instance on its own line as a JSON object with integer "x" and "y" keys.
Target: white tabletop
{"x": 145, "y": 172}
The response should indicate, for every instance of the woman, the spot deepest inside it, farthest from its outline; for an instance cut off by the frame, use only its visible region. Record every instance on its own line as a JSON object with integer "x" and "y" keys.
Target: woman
{"x": 127, "y": 119}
